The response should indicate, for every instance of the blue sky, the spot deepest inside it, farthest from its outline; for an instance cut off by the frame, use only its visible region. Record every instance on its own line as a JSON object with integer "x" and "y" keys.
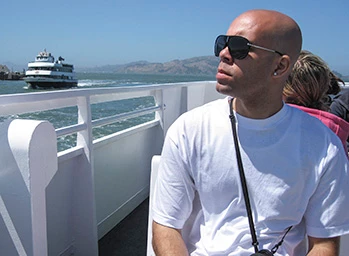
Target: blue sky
{"x": 95, "y": 33}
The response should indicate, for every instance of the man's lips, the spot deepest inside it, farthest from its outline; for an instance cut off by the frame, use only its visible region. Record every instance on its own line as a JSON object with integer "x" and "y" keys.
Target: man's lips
{"x": 220, "y": 70}
{"x": 221, "y": 73}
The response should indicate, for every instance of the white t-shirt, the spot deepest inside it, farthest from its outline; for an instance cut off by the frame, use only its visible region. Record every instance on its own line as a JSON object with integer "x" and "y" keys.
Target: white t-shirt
{"x": 296, "y": 174}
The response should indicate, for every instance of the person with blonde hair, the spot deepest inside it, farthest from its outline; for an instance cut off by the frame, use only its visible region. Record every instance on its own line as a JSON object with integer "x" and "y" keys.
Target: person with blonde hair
{"x": 307, "y": 87}
{"x": 308, "y": 83}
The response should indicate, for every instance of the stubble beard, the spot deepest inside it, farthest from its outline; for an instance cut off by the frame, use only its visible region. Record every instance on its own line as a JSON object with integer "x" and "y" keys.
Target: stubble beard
{"x": 228, "y": 89}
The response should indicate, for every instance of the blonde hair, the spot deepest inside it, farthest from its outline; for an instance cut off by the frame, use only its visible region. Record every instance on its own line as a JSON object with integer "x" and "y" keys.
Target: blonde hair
{"x": 308, "y": 83}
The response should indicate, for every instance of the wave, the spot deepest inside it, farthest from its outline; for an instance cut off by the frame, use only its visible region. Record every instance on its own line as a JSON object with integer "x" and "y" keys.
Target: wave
{"x": 106, "y": 83}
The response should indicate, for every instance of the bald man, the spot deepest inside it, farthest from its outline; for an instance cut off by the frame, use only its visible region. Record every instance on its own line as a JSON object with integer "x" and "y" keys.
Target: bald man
{"x": 296, "y": 171}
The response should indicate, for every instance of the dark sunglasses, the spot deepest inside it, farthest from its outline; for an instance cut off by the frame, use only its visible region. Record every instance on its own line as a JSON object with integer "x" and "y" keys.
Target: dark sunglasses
{"x": 238, "y": 46}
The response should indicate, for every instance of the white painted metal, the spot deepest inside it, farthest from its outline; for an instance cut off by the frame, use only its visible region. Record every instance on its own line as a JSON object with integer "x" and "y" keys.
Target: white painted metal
{"x": 123, "y": 116}
{"x": 28, "y": 162}
{"x": 97, "y": 183}
{"x": 84, "y": 219}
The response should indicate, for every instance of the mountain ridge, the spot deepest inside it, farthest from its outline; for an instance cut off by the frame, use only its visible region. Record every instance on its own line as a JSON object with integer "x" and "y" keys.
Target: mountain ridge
{"x": 203, "y": 65}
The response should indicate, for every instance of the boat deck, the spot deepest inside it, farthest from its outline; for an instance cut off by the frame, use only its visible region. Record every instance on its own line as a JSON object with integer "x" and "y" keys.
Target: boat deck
{"x": 129, "y": 237}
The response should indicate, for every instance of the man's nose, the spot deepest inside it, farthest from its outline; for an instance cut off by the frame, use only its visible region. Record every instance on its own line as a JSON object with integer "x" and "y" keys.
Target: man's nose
{"x": 224, "y": 55}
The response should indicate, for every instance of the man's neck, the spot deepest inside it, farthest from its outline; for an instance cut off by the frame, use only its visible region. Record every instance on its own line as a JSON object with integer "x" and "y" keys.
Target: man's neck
{"x": 257, "y": 109}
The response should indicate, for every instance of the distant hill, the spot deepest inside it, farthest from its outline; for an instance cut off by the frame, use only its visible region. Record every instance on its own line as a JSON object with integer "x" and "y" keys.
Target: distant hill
{"x": 205, "y": 65}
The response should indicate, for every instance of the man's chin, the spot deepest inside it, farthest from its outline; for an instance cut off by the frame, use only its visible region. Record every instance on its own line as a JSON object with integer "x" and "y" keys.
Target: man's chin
{"x": 223, "y": 88}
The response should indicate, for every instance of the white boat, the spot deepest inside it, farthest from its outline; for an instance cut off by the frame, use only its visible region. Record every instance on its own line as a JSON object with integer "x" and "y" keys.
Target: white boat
{"x": 46, "y": 72}
{"x": 62, "y": 203}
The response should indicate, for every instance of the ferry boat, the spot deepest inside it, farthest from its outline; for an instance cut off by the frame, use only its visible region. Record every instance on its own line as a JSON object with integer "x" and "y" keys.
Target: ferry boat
{"x": 46, "y": 72}
{"x": 63, "y": 203}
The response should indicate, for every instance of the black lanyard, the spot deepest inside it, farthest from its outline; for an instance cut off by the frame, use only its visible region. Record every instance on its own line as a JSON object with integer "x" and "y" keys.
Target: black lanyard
{"x": 244, "y": 187}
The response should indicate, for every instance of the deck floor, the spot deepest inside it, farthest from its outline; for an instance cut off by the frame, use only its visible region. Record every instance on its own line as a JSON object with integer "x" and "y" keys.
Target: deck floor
{"x": 129, "y": 237}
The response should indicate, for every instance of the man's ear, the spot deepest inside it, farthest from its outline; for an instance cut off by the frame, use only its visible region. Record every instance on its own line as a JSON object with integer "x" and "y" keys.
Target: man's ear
{"x": 283, "y": 66}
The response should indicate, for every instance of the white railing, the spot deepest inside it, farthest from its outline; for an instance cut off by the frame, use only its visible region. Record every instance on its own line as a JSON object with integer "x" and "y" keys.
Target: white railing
{"x": 87, "y": 189}
{"x": 34, "y": 102}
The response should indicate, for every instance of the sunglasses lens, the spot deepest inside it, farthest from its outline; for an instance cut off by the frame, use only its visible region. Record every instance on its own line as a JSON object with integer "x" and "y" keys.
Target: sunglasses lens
{"x": 238, "y": 46}
{"x": 220, "y": 44}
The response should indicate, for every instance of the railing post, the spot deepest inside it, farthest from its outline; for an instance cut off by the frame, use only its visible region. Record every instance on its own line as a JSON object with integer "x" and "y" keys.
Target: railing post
{"x": 176, "y": 101}
{"x": 84, "y": 198}
{"x": 158, "y": 98}
{"x": 29, "y": 161}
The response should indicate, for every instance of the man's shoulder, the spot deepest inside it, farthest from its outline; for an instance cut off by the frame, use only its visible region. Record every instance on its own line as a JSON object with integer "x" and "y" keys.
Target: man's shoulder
{"x": 309, "y": 122}
{"x": 313, "y": 128}
{"x": 304, "y": 114}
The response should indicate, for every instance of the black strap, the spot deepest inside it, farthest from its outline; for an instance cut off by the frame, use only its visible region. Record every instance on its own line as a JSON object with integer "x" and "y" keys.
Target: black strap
{"x": 243, "y": 179}
{"x": 276, "y": 247}
{"x": 245, "y": 190}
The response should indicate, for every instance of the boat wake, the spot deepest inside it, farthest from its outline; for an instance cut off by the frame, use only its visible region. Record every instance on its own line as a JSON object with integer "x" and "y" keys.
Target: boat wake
{"x": 105, "y": 83}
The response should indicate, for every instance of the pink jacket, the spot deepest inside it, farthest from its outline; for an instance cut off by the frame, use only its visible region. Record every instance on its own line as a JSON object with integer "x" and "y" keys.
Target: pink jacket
{"x": 338, "y": 125}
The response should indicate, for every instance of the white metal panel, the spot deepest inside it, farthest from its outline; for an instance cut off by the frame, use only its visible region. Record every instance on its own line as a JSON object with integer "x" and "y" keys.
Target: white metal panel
{"x": 201, "y": 94}
{"x": 122, "y": 173}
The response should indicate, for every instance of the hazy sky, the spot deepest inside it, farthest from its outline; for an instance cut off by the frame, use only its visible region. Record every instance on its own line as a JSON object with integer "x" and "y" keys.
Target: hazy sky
{"x": 94, "y": 33}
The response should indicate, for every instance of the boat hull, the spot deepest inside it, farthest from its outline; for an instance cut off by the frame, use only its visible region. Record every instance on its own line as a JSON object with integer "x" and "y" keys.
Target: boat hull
{"x": 50, "y": 83}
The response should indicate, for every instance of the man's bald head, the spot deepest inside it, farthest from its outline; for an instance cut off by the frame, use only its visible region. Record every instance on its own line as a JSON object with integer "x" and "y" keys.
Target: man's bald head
{"x": 274, "y": 29}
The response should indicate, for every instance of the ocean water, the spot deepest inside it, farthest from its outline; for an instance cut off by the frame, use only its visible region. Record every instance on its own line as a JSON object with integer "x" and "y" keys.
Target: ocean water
{"x": 68, "y": 116}
{"x": 100, "y": 80}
